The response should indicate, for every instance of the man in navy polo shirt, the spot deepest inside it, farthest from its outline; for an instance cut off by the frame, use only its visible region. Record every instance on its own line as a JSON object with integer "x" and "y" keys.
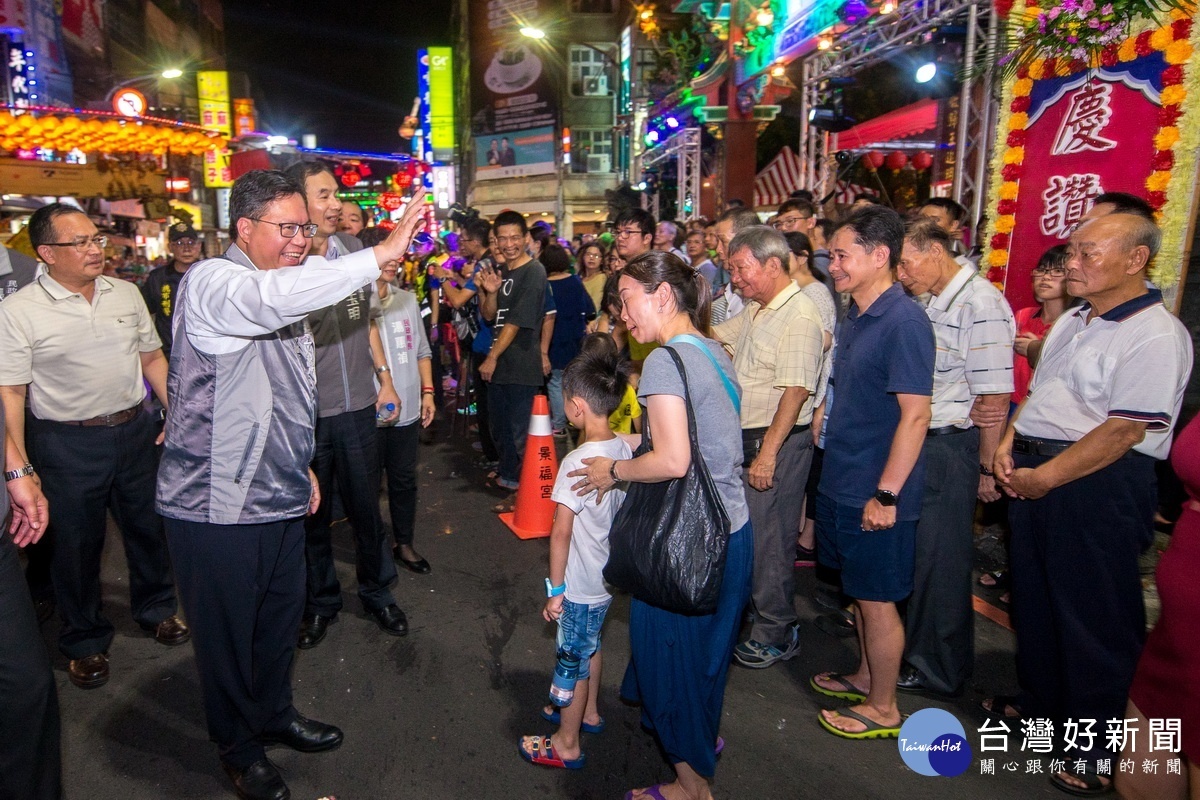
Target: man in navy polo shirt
{"x": 1079, "y": 459}
{"x": 871, "y": 485}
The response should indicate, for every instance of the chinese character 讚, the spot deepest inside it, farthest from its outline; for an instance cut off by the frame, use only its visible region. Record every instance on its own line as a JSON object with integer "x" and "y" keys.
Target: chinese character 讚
{"x": 1066, "y": 199}
{"x": 1085, "y": 120}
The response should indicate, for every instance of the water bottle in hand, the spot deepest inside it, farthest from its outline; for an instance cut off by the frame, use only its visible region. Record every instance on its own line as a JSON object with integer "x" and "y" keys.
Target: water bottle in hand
{"x": 385, "y": 412}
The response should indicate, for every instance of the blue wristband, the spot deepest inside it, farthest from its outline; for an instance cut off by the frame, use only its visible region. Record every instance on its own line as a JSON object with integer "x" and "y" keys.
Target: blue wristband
{"x": 555, "y": 591}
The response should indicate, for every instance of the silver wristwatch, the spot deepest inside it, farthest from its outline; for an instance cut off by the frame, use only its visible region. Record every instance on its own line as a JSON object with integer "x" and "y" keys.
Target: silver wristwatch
{"x": 23, "y": 472}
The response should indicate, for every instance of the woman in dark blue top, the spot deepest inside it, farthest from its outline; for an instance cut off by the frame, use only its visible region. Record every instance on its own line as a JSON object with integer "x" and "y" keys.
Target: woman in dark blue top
{"x": 574, "y": 309}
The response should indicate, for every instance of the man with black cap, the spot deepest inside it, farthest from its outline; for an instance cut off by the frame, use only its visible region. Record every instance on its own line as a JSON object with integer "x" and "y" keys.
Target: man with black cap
{"x": 162, "y": 284}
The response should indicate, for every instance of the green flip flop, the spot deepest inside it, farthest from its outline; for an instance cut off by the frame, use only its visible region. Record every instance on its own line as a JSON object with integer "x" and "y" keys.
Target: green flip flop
{"x": 848, "y": 691}
{"x": 875, "y": 730}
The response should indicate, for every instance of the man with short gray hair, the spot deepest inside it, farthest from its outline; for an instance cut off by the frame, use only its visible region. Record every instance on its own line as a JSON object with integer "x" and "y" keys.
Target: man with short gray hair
{"x": 777, "y": 347}
{"x": 235, "y": 483}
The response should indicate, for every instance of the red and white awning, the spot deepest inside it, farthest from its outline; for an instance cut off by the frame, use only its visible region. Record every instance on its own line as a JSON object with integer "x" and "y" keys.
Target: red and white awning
{"x": 777, "y": 180}
{"x": 846, "y": 192}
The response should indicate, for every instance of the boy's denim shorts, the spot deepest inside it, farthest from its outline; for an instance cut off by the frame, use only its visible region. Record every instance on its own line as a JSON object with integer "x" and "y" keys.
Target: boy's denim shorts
{"x": 579, "y": 631}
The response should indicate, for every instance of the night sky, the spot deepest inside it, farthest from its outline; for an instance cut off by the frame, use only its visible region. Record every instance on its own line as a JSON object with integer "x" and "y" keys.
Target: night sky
{"x": 345, "y": 71}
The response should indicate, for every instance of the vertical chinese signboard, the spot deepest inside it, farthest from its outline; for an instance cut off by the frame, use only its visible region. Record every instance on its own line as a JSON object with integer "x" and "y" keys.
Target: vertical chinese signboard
{"x": 213, "y": 91}
{"x": 513, "y": 92}
{"x": 244, "y": 119}
{"x": 440, "y": 103}
{"x": 20, "y": 80}
{"x": 1069, "y": 134}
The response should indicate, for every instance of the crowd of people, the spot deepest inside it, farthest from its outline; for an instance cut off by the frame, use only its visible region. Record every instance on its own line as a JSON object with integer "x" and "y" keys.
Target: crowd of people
{"x": 851, "y": 384}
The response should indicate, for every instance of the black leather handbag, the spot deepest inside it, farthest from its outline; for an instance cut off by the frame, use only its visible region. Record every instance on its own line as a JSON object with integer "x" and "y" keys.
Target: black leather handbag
{"x": 668, "y": 540}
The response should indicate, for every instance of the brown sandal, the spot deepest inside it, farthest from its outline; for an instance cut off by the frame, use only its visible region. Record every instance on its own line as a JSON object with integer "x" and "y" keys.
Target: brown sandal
{"x": 506, "y": 505}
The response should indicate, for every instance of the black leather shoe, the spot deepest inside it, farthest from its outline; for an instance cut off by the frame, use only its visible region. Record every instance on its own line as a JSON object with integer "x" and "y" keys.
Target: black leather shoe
{"x": 90, "y": 671}
{"x": 306, "y": 736}
{"x": 911, "y": 681}
{"x": 391, "y": 619}
{"x": 420, "y": 566}
{"x": 172, "y": 631}
{"x": 259, "y": 781}
{"x": 312, "y": 630}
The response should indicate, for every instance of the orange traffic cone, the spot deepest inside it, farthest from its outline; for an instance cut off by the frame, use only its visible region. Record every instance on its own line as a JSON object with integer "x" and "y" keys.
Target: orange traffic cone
{"x": 534, "y": 513}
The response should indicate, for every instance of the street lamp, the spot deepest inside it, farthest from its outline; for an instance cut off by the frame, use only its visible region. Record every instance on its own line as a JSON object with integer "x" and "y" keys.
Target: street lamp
{"x": 533, "y": 33}
{"x": 172, "y": 73}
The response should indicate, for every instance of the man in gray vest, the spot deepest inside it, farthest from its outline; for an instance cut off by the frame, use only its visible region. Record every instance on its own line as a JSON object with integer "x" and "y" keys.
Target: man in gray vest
{"x": 234, "y": 484}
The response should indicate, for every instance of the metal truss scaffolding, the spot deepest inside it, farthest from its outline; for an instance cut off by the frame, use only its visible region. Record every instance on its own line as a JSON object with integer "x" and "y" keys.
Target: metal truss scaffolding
{"x": 878, "y": 39}
{"x": 683, "y": 145}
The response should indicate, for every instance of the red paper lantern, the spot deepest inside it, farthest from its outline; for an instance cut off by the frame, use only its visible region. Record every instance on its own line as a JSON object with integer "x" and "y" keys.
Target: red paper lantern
{"x": 403, "y": 180}
{"x": 872, "y": 160}
{"x": 390, "y": 202}
{"x": 351, "y": 178}
{"x": 896, "y": 160}
{"x": 922, "y": 160}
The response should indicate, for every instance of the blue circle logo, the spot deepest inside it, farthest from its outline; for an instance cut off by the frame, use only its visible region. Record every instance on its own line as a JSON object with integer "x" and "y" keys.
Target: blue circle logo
{"x": 933, "y": 742}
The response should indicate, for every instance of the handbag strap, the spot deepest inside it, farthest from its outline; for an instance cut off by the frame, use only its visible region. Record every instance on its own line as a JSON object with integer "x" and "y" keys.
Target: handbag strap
{"x": 703, "y": 348}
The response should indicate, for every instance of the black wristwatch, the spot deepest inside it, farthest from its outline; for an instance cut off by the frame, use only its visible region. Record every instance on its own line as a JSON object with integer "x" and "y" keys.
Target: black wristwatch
{"x": 885, "y": 498}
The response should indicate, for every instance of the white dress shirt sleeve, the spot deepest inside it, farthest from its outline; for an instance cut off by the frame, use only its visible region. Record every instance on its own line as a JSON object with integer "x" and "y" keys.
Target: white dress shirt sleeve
{"x": 224, "y": 299}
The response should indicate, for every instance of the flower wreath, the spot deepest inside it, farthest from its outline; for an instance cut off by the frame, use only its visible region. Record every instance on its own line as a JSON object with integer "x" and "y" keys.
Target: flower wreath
{"x": 1169, "y": 186}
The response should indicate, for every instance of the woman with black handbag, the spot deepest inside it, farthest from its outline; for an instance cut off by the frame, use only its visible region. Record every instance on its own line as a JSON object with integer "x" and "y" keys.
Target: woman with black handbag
{"x": 681, "y": 543}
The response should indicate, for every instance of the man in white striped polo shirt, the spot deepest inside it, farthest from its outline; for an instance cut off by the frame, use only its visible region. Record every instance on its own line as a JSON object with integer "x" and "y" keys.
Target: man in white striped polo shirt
{"x": 974, "y": 328}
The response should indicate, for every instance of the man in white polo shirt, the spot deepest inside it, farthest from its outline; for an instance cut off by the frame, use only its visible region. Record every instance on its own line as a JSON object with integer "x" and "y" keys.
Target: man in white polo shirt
{"x": 80, "y": 343}
{"x": 1079, "y": 459}
{"x": 974, "y": 329}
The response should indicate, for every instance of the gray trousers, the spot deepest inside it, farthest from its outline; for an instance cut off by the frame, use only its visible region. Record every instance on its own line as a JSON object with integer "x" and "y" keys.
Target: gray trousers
{"x": 775, "y": 516}
{"x": 939, "y": 627}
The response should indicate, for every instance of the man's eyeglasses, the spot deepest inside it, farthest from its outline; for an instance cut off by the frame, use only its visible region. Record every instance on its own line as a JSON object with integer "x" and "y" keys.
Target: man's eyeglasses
{"x": 1053, "y": 272}
{"x": 624, "y": 233}
{"x": 82, "y": 243}
{"x": 290, "y": 229}
{"x": 789, "y": 220}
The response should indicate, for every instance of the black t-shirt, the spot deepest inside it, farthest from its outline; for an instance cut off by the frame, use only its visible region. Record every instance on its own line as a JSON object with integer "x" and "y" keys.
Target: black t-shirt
{"x": 521, "y": 302}
{"x": 160, "y": 290}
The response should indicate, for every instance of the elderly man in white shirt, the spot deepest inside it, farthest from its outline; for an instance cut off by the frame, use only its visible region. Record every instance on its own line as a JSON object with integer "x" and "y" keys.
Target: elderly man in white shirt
{"x": 1078, "y": 458}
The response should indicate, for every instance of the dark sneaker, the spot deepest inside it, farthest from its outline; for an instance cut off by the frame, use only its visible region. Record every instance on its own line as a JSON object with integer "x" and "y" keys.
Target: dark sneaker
{"x": 806, "y": 556}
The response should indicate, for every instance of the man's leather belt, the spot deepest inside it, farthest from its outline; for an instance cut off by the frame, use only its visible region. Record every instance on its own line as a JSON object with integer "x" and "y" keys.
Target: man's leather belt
{"x": 108, "y": 420}
{"x": 945, "y": 430}
{"x": 1028, "y": 446}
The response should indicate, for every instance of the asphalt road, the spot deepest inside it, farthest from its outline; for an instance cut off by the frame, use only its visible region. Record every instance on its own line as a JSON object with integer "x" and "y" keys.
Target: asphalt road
{"x": 437, "y": 714}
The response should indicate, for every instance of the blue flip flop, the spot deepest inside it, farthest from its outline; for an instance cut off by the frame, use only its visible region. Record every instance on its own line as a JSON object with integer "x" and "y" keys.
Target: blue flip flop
{"x": 556, "y": 717}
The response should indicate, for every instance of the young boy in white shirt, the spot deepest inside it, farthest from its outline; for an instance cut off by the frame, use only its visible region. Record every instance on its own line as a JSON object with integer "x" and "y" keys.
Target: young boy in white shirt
{"x": 593, "y": 385}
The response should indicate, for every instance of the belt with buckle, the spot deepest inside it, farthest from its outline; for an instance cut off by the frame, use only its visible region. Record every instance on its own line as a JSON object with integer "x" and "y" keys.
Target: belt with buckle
{"x": 1029, "y": 446}
{"x": 107, "y": 420}
{"x": 945, "y": 430}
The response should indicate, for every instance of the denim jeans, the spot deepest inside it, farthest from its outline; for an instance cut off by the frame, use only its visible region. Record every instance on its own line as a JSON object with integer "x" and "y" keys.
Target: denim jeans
{"x": 558, "y": 414}
{"x": 578, "y": 640}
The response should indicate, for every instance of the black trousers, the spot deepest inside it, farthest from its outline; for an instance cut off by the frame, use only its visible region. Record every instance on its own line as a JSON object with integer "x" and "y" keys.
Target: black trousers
{"x": 939, "y": 626}
{"x": 487, "y": 438}
{"x": 348, "y": 453}
{"x": 511, "y": 406}
{"x": 1076, "y": 593}
{"x": 86, "y": 472}
{"x": 399, "y": 446}
{"x": 30, "y": 757}
{"x": 242, "y": 588}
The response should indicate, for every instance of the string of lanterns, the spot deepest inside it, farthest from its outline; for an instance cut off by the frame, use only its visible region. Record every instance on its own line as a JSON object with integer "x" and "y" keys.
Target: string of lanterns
{"x": 896, "y": 160}
{"x": 106, "y": 133}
